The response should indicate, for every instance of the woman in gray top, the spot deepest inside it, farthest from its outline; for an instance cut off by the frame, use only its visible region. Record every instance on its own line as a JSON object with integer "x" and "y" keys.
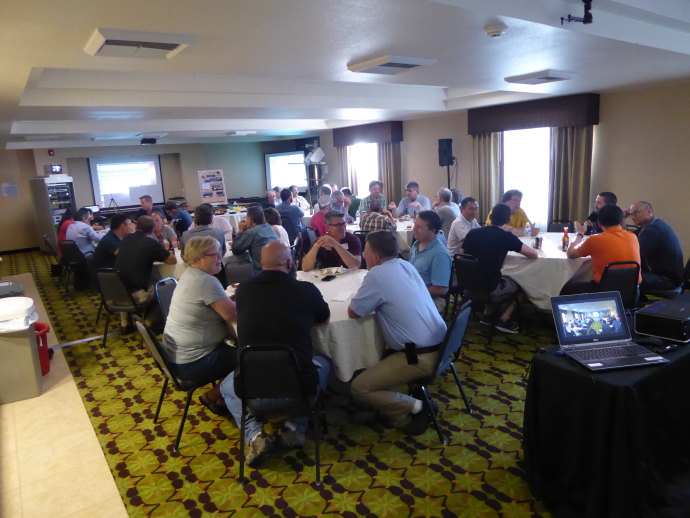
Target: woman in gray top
{"x": 199, "y": 321}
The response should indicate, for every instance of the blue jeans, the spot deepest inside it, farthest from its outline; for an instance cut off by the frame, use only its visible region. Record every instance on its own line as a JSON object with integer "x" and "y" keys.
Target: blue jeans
{"x": 253, "y": 424}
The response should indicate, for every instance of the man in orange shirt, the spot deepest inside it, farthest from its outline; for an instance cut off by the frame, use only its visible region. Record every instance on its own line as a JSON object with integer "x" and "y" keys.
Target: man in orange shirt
{"x": 612, "y": 245}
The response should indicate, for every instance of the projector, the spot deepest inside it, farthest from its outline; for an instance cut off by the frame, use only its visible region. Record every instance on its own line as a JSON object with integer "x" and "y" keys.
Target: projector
{"x": 148, "y": 141}
{"x": 667, "y": 319}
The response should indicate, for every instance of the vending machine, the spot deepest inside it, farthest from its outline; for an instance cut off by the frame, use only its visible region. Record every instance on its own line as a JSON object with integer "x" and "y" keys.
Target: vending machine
{"x": 52, "y": 196}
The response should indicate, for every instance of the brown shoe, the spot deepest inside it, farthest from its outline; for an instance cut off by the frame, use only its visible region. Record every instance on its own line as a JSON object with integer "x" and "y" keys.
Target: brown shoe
{"x": 259, "y": 448}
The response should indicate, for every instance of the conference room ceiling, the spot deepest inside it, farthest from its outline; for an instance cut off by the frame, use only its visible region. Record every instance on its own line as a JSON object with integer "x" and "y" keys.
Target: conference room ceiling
{"x": 279, "y": 67}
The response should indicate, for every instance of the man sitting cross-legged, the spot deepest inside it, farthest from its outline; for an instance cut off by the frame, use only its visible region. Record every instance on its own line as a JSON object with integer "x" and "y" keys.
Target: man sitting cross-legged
{"x": 290, "y": 325}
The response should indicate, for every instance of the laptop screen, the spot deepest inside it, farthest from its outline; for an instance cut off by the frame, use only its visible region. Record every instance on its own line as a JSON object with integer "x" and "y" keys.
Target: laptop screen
{"x": 590, "y": 318}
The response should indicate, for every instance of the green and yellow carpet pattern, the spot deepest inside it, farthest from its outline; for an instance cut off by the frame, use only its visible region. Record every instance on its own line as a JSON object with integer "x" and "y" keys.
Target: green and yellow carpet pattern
{"x": 374, "y": 472}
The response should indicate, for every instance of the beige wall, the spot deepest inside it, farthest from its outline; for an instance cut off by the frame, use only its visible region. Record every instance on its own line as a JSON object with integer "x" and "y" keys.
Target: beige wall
{"x": 16, "y": 212}
{"x": 642, "y": 152}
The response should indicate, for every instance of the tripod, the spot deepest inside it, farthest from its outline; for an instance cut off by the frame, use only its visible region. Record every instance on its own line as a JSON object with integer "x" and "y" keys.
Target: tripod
{"x": 112, "y": 201}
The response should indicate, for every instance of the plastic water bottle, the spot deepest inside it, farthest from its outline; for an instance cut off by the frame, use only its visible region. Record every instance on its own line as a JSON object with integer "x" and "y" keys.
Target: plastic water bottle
{"x": 528, "y": 230}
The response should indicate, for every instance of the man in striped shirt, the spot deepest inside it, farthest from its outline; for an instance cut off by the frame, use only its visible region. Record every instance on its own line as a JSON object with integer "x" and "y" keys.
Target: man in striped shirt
{"x": 377, "y": 219}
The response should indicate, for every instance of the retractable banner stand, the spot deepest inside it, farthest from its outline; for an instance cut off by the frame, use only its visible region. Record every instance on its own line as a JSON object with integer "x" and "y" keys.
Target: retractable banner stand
{"x": 212, "y": 187}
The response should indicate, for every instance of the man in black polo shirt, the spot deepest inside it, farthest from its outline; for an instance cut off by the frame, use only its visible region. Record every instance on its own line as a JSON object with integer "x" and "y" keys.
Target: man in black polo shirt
{"x": 291, "y": 325}
{"x": 490, "y": 245}
{"x": 660, "y": 251}
{"x": 592, "y": 223}
{"x": 106, "y": 250}
{"x": 337, "y": 248}
{"x": 135, "y": 261}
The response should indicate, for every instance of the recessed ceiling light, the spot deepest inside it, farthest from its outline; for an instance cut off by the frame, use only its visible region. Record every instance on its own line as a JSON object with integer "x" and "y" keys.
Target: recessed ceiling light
{"x": 389, "y": 65}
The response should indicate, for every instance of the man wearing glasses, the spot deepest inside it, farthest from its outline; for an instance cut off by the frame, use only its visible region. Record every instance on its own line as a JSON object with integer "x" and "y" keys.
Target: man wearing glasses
{"x": 336, "y": 248}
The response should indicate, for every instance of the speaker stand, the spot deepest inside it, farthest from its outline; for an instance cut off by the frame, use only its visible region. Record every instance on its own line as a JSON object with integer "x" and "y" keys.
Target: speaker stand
{"x": 448, "y": 176}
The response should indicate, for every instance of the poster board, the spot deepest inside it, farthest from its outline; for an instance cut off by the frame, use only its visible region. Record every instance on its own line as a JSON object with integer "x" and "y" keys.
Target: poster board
{"x": 212, "y": 187}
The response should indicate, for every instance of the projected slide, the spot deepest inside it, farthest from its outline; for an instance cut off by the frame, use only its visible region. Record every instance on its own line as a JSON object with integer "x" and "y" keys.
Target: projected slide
{"x": 286, "y": 169}
{"x": 122, "y": 180}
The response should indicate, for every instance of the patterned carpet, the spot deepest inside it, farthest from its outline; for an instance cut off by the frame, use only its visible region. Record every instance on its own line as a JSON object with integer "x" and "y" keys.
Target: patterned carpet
{"x": 367, "y": 471}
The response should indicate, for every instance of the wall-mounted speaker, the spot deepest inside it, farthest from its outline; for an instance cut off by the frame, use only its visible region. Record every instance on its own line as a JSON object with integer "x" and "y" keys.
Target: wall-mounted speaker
{"x": 445, "y": 152}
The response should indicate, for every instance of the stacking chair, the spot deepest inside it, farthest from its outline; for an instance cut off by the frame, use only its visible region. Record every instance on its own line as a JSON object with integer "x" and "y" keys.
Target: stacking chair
{"x": 450, "y": 348}
{"x": 454, "y": 291}
{"x": 270, "y": 384}
{"x": 470, "y": 277}
{"x": 622, "y": 276}
{"x": 57, "y": 269}
{"x": 116, "y": 297}
{"x": 311, "y": 234}
{"x": 164, "y": 293}
{"x": 240, "y": 269}
{"x": 557, "y": 225}
{"x": 362, "y": 235}
{"x": 154, "y": 347}
{"x": 297, "y": 251}
{"x": 290, "y": 229}
{"x": 72, "y": 259}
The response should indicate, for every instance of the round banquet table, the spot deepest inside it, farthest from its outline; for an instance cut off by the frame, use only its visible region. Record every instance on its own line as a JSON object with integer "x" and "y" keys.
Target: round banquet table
{"x": 544, "y": 277}
{"x": 306, "y": 220}
{"x": 234, "y": 218}
{"x": 403, "y": 232}
{"x": 351, "y": 344}
{"x": 163, "y": 271}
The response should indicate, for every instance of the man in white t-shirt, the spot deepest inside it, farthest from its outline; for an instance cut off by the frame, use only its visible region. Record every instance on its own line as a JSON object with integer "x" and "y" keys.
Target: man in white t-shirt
{"x": 462, "y": 225}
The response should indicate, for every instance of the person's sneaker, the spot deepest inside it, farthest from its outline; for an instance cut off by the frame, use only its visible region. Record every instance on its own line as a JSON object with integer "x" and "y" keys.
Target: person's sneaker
{"x": 487, "y": 320}
{"x": 259, "y": 448}
{"x": 506, "y": 327}
{"x": 292, "y": 438}
{"x": 421, "y": 420}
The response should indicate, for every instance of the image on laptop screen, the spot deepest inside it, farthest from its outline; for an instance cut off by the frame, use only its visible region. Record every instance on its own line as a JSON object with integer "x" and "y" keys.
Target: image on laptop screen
{"x": 589, "y": 319}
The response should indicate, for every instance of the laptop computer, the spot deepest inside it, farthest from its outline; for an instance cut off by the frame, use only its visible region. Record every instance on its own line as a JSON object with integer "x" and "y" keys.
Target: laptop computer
{"x": 593, "y": 331}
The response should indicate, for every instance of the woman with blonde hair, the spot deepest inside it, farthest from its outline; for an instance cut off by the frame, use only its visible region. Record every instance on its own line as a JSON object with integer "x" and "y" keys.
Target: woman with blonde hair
{"x": 199, "y": 321}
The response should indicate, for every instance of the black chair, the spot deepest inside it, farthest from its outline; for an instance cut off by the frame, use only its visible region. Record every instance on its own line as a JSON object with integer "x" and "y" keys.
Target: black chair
{"x": 557, "y": 225}
{"x": 297, "y": 251}
{"x": 57, "y": 269}
{"x": 164, "y": 293}
{"x": 286, "y": 223}
{"x": 240, "y": 269}
{"x": 470, "y": 282}
{"x": 154, "y": 347}
{"x": 311, "y": 234}
{"x": 116, "y": 297}
{"x": 622, "y": 276}
{"x": 362, "y": 235}
{"x": 635, "y": 229}
{"x": 271, "y": 372}
{"x": 454, "y": 291}
{"x": 73, "y": 260}
{"x": 450, "y": 348}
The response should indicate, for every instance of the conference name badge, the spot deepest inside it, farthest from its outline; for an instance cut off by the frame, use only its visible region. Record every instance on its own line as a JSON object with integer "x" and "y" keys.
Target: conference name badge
{"x": 345, "y": 246}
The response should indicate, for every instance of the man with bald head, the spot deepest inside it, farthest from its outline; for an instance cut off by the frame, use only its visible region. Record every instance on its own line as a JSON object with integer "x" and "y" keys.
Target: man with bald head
{"x": 294, "y": 308}
{"x": 660, "y": 251}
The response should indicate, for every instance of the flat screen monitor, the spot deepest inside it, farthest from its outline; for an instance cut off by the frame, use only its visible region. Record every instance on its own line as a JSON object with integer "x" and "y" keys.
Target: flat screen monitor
{"x": 286, "y": 169}
{"x": 125, "y": 179}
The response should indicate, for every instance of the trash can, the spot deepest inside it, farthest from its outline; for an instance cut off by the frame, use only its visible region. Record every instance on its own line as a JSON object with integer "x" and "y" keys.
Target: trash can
{"x": 20, "y": 366}
{"x": 42, "y": 343}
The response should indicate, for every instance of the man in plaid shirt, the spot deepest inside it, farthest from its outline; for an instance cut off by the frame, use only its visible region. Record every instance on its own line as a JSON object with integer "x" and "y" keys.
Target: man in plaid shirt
{"x": 375, "y": 188}
{"x": 377, "y": 219}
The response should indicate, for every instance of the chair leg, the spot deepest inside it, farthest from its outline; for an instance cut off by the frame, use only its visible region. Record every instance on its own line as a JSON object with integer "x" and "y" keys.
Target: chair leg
{"x": 105, "y": 331}
{"x": 160, "y": 401}
{"x": 100, "y": 308}
{"x": 438, "y": 426}
{"x": 323, "y": 414}
{"x": 242, "y": 440}
{"x": 69, "y": 272}
{"x": 317, "y": 437}
{"x": 519, "y": 313}
{"x": 462, "y": 390}
{"x": 184, "y": 418}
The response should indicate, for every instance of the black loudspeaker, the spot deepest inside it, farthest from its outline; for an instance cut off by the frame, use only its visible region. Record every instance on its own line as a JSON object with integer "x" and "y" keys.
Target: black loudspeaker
{"x": 445, "y": 152}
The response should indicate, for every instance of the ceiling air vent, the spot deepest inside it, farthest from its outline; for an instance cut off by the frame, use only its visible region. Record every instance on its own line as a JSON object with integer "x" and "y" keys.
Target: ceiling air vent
{"x": 389, "y": 65}
{"x": 540, "y": 78}
{"x": 133, "y": 44}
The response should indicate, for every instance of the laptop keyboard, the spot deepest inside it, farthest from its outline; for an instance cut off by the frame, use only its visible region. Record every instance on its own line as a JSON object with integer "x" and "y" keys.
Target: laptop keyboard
{"x": 609, "y": 352}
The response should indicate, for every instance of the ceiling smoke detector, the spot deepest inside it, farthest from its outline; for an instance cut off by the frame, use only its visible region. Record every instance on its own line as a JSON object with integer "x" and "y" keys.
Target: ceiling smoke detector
{"x": 495, "y": 31}
{"x": 389, "y": 65}
{"x": 540, "y": 78}
{"x": 134, "y": 44}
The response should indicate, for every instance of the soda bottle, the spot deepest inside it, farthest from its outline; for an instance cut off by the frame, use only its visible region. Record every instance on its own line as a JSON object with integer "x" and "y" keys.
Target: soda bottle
{"x": 528, "y": 230}
{"x": 566, "y": 239}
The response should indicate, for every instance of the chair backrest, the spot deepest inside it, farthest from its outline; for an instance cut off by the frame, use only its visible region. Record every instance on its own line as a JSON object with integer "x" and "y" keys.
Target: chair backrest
{"x": 621, "y": 276}
{"x": 239, "y": 271}
{"x": 635, "y": 229}
{"x": 298, "y": 254}
{"x": 154, "y": 347}
{"x": 468, "y": 273}
{"x": 286, "y": 223}
{"x": 557, "y": 225}
{"x": 71, "y": 253}
{"x": 686, "y": 275}
{"x": 452, "y": 342}
{"x": 113, "y": 289}
{"x": 164, "y": 293}
{"x": 311, "y": 232}
{"x": 269, "y": 371}
{"x": 362, "y": 235}
{"x": 52, "y": 249}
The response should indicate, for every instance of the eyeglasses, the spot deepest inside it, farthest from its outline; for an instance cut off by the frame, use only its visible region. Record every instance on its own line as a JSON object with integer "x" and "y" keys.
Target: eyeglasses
{"x": 339, "y": 225}
{"x": 636, "y": 213}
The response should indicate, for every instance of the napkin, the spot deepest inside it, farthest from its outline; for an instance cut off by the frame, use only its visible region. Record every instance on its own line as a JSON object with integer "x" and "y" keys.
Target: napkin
{"x": 342, "y": 296}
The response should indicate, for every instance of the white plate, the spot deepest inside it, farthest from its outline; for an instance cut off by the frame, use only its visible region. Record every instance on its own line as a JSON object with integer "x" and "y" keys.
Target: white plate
{"x": 331, "y": 271}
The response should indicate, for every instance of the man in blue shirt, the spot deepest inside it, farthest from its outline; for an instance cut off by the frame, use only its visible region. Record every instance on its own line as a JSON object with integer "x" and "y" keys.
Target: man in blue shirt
{"x": 180, "y": 217}
{"x": 412, "y": 327}
{"x": 106, "y": 251}
{"x": 430, "y": 257}
{"x": 291, "y": 213}
{"x": 81, "y": 232}
{"x": 254, "y": 234}
{"x": 413, "y": 204}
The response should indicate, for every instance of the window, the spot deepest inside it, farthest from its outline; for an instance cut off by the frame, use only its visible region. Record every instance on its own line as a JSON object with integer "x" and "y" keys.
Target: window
{"x": 526, "y": 160}
{"x": 364, "y": 161}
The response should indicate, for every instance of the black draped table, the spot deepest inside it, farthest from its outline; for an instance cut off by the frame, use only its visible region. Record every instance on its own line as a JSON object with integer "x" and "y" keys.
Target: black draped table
{"x": 609, "y": 444}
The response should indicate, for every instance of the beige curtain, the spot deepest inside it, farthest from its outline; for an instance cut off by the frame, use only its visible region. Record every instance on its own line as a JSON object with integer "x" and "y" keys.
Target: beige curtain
{"x": 487, "y": 177}
{"x": 571, "y": 172}
{"x": 346, "y": 176}
{"x": 390, "y": 170}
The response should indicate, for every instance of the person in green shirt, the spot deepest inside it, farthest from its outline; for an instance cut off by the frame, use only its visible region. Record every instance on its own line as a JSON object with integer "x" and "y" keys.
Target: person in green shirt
{"x": 351, "y": 202}
{"x": 375, "y": 188}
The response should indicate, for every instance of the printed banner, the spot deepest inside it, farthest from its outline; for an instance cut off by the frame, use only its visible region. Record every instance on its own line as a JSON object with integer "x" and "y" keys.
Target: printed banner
{"x": 212, "y": 187}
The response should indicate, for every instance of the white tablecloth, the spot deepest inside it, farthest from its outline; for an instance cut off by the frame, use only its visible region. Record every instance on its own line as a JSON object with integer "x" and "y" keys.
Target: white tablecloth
{"x": 234, "y": 219}
{"x": 402, "y": 232}
{"x": 351, "y": 344}
{"x": 544, "y": 277}
{"x": 306, "y": 220}
{"x": 162, "y": 270}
